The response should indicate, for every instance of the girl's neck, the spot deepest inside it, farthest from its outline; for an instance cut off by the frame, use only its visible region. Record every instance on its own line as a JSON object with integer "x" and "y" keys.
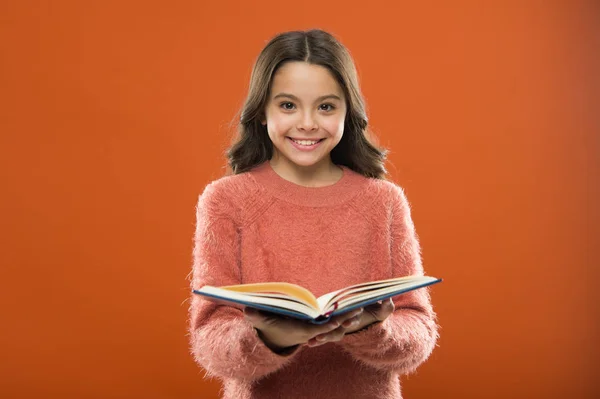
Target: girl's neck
{"x": 322, "y": 174}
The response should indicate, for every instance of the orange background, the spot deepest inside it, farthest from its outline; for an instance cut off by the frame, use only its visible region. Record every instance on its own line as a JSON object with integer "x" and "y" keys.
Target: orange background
{"x": 114, "y": 115}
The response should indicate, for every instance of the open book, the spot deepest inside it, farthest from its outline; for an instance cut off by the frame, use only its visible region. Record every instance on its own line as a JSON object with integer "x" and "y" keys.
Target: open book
{"x": 295, "y": 301}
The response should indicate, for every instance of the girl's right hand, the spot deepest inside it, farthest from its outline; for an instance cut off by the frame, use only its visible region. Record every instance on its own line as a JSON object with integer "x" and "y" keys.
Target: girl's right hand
{"x": 279, "y": 333}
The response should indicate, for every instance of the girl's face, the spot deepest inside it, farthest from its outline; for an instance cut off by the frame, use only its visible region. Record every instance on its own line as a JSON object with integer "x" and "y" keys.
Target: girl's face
{"x": 305, "y": 114}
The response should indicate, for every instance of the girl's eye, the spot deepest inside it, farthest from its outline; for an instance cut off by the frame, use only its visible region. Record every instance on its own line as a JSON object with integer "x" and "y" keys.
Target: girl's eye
{"x": 288, "y": 106}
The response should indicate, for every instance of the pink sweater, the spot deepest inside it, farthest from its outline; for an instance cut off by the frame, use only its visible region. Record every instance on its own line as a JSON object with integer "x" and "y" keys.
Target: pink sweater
{"x": 257, "y": 227}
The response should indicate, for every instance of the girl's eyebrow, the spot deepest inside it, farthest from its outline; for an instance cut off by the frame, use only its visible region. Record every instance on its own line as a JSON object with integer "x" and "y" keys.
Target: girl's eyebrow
{"x": 293, "y": 97}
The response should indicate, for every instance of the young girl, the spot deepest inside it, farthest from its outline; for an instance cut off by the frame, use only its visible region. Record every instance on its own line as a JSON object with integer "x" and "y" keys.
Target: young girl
{"x": 307, "y": 203}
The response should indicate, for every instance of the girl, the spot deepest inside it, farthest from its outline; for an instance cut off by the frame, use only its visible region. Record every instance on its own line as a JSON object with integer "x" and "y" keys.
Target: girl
{"x": 307, "y": 203}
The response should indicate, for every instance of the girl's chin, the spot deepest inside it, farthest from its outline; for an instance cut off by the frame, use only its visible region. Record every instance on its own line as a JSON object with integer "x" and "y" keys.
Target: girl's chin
{"x": 304, "y": 162}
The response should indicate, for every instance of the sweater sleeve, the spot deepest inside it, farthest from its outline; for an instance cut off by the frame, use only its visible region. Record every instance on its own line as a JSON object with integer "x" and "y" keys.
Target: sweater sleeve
{"x": 407, "y": 337}
{"x": 222, "y": 340}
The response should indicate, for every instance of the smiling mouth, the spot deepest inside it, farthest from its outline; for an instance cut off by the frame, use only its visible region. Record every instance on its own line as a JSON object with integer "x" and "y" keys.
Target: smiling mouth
{"x": 305, "y": 145}
{"x": 305, "y": 140}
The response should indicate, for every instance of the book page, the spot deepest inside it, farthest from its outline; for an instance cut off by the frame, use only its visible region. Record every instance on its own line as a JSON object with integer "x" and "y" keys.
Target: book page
{"x": 244, "y": 298}
{"x": 287, "y": 289}
{"x": 370, "y": 289}
{"x": 362, "y": 299}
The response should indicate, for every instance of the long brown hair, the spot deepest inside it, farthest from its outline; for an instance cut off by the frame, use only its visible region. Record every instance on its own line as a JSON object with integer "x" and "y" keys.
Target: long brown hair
{"x": 253, "y": 145}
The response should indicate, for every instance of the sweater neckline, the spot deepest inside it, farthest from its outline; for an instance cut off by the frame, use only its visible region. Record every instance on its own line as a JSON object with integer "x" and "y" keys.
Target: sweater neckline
{"x": 336, "y": 193}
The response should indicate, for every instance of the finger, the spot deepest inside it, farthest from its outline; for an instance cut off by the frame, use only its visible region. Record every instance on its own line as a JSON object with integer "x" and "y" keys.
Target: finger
{"x": 343, "y": 317}
{"x": 332, "y": 336}
{"x": 314, "y": 330}
{"x": 352, "y": 322}
{"x": 338, "y": 333}
{"x": 381, "y": 312}
{"x": 334, "y": 323}
{"x": 378, "y": 304}
{"x": 389, "y": 305}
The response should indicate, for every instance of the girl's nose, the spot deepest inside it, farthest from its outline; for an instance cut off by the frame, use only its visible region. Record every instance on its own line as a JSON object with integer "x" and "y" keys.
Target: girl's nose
{"x": 308, "y": 123}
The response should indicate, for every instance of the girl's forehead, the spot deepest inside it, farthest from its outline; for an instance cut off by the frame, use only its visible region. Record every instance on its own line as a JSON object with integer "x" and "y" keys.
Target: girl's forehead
{"x": 301, "y": 78}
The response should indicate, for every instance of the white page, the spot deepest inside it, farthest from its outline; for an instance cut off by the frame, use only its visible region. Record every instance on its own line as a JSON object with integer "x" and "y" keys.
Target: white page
{"x": 381, "y": 289}
{"x": 281, "y": 303}
{"x": 325, "y": 301}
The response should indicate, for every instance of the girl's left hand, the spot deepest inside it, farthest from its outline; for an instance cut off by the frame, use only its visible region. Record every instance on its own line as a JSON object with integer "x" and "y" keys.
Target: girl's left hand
{"x": 370, "y": 314}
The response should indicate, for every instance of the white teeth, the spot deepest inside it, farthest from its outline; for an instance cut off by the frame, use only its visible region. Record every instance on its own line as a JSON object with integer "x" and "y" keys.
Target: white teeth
{"x": 305, "y": 142}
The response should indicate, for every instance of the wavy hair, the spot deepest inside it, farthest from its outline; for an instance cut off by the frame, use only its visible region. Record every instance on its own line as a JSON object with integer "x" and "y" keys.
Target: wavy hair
{"x": 253, "y": 145}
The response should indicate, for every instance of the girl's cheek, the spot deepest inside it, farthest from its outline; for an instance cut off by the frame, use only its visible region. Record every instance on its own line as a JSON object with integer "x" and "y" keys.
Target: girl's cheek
{"x": 274, "y": 125}
{"x": 334, "y": 125}
{"x": 281, "y": 124}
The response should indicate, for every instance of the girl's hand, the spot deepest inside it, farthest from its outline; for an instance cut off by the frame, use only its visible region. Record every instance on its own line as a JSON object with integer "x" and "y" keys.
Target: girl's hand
{"x": 371, "y": 314}
{"x": 279, "y": 332}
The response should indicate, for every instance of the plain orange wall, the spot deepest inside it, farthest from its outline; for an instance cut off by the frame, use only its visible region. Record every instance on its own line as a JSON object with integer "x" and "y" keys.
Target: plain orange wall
{"x": 114, "y": 115}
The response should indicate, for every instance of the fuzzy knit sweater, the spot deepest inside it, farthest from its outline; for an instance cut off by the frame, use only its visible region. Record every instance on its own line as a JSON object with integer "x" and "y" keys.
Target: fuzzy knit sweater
{"x": 258, "y": 227}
